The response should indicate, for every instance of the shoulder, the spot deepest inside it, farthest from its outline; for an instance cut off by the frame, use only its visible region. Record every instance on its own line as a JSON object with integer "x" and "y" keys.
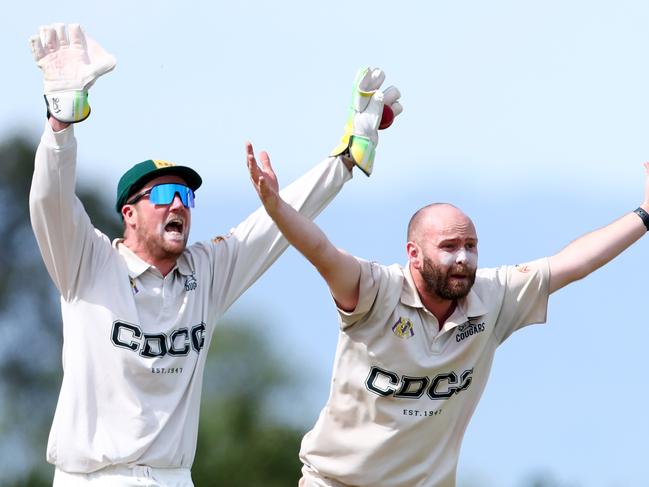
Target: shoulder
{"x": 504, "y": 273}
{"x": 491, "y": 282}
{"x": 380, "y": 274}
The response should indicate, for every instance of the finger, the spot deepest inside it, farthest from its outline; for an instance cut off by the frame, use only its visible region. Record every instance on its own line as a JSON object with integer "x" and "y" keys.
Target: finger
{"x": 396, "y": 108}
{"x": 253, "y": 168}
{"x": 37, "y": 47}
{"x": 255, "y": 177}
{"x": 372, "y": 80}
{"x": 390, "y": 95}
{"x": 646, "y": 167}
{"x": 266, "y": 190}
{"x": 263, "y": 186}
{"x": 77, "y": 37}
{"x": 250, "y": 152}
{"x": 265, "y": 161}
{"x": 61, "y": 34}
{"x": 48, "y": 37}
{"x": 377, "y": 76}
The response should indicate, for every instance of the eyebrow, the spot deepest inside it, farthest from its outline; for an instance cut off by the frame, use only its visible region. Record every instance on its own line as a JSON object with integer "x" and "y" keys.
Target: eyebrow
{"x": 458, "y": 239}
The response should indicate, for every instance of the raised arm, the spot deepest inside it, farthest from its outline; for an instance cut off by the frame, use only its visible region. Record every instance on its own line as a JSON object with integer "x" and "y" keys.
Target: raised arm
{"x": 595, "y": 249}
{"x": 71, "y": 62}
{"x": 340, "y": 270}
{"x": 257, "y": 242}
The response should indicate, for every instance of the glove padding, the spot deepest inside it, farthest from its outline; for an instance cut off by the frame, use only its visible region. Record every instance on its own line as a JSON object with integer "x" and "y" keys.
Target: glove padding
{"x": 71, "y": 62}
{"x": 361, "y": 131}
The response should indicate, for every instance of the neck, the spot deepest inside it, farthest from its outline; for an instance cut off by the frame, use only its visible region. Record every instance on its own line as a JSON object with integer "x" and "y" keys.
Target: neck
{"x": 164, "y": 263}
{"x": 164, "y": 266}
{"x": 442, "y": 309}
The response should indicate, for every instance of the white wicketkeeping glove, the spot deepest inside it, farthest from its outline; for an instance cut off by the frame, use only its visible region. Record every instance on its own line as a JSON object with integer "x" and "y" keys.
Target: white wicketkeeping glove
{"x": 361, "y": 131}
{"x": 71, "y": 62}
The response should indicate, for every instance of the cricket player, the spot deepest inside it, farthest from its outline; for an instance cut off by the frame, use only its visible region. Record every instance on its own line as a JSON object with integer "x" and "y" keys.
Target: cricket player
{"x": 416, "y": 343}
{"x": 139, "y": 312}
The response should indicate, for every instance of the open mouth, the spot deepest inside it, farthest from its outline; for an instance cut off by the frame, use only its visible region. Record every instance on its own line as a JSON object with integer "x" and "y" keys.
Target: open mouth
{"x": 460, "y": 272}
{"x": 175, "y": 225}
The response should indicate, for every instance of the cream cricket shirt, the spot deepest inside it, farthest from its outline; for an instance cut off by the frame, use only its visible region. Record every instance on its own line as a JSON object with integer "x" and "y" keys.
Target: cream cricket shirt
{"x": 402, "y": 393}
{"x": 135, "y": 342}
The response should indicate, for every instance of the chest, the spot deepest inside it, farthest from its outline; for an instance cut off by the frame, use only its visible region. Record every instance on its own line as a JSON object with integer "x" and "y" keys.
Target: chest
{"x": 409, "y": 339}
{"x": 160, "y": 303}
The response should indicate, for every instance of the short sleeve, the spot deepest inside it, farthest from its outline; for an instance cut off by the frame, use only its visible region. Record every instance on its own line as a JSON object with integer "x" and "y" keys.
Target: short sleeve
{"x": 525, "y": 298}
{"x": 379, "y": 288}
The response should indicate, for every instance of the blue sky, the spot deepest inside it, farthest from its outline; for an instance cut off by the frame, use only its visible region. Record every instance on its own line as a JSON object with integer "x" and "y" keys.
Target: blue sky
{"x": 530, "y": 116}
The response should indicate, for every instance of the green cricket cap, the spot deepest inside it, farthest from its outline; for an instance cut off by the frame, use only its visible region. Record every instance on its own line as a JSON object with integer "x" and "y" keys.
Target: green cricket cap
{"x": 143, "y": 172}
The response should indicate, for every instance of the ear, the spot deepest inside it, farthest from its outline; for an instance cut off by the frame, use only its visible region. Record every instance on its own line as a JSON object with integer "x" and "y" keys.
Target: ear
{"x": 414, "y": 254}
{"x": 128, "y": 214}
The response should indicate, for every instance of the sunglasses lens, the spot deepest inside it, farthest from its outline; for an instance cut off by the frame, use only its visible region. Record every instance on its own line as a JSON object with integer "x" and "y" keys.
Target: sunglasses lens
{"x": 164, "y": 194}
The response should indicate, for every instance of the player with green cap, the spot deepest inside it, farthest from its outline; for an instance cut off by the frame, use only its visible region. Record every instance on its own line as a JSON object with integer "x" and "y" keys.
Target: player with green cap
{"x": 139, "y": 312}
{"x": 136, "y": 177}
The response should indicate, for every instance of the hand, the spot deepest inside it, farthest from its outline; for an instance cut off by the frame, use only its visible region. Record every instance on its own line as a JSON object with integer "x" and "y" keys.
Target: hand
{"x": 71, "y": 63}
{"x": 263, "y": 179}
{"x": 361, "y": 131}
{"x": 368, "y": 103}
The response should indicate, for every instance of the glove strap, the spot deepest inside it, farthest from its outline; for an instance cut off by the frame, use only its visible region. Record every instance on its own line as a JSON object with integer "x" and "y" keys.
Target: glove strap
{"x": 361, "y": 149}
{"x": 68, "y": 106}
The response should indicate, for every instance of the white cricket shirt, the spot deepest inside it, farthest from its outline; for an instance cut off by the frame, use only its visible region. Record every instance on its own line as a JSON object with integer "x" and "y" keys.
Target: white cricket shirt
{"x": 135, "y": 342}
{"x": 402, "y": 393}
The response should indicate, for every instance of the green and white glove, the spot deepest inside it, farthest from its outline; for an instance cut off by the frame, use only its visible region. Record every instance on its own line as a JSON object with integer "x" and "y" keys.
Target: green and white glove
{"x": 369, "y": 106}
{"x": 71, "y": 62}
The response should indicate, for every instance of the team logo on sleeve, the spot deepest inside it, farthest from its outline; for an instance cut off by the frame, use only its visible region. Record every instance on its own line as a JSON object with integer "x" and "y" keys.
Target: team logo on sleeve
{"x": 403, "y": 328}
{"x": 221, "y": 238}
{"x": 523, "y": 268}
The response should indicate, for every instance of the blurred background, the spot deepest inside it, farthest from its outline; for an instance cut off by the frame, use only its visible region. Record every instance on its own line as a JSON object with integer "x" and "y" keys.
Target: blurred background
{"x": 530, "y": 116}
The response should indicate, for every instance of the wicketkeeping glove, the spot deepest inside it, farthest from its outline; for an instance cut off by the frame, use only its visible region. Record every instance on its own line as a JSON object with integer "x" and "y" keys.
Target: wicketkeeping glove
{"x": 71, "y": 62}
{"x": 361, "y": 131}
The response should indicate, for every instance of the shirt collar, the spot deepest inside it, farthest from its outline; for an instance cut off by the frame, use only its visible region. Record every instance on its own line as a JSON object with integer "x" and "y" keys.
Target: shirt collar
{"x": 136, "y": 266}
{"x": 469, "y": 307}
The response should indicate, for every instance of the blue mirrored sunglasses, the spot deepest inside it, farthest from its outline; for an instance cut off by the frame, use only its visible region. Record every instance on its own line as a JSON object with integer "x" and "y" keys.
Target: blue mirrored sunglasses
{"x": 164, "y": 194}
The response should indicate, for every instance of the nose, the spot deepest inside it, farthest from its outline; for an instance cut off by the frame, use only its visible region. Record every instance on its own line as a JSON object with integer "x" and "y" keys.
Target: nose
{"x": 461, "y": 256}
{"x": 176, "y": 203}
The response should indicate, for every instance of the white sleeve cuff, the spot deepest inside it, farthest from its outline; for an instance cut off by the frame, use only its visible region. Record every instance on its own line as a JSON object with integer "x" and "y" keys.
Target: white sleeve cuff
{"x": 58, "y": 140}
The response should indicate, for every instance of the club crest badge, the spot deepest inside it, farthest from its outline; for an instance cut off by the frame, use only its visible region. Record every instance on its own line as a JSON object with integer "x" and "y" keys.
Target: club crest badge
{"x": 523, "y": 268}
{"x": 403, "y": 328}
{"x": 190, "y": 283}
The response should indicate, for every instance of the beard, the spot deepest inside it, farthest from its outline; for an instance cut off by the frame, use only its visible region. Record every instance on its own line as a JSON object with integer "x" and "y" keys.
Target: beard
{"x": 438, "y": 281}
{"x": 161, "y": 244}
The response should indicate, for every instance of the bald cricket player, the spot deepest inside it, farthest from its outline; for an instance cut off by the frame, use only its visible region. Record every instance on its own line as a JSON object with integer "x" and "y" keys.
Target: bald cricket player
{"x": 416, "y": 343}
